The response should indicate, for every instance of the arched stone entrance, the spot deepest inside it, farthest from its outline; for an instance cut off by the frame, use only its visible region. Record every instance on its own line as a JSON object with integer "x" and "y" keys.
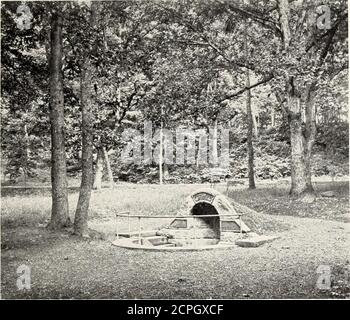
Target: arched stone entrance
{"x": 186, "y": 228}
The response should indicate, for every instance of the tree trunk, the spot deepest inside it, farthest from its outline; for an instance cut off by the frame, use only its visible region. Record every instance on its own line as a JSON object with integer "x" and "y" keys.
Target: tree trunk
{"x": 160, "y": 165}
{"x": 26, "y": 155}
{"x": 298, "y": 165}
{"x": 283, "y": 6}
{"x": 255, "y": 118}
{"x": 301, "y": 144}
{"x": 302, "y": 140}
{"x": 81, "y": 214}
{"x": 59, "y": 212}
{"x": 251, "y": 122}
{"x": 86, "y": 95}
{"x": 310, "y": 136}
{"x": 166, "y": 170}
{"x": 251, "y": 174}
{"x": 108, "y": 168}
{"x": 99, "y": 170}
{"x": 214, "y": 144}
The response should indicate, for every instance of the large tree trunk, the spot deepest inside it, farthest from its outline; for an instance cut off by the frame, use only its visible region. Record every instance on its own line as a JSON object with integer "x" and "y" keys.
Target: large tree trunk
{"x": 301, "y": 143}
{"x": 81, "y": 214}
{"x": 59, "y": 212}
{"x": 302, "y": 137}
{"x": 108, "y": 168}
{"x": 298, "y": 165}
{"x": 310, "y": 136}
{"x": 86, "y": 91}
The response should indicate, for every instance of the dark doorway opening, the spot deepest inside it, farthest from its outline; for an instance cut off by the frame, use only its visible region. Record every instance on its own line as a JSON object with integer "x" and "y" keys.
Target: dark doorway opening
{"x": 213, "y": 223}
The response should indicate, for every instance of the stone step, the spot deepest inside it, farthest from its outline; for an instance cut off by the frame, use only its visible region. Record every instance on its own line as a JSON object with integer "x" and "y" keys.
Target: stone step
{"x": 157, "y": 240}
{"x": 254, "y": 241}
{"x": 154, "y": 241}
{"x": 135, "y": 234}
{"x": 167, "y": 245}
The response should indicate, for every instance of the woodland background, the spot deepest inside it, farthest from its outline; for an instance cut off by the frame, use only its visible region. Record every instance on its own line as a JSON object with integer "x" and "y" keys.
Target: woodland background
{"x": 76, "y": 74}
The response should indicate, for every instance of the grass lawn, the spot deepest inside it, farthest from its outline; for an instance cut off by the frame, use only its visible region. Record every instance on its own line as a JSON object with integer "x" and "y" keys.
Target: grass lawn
{"x": 63, "y": 266}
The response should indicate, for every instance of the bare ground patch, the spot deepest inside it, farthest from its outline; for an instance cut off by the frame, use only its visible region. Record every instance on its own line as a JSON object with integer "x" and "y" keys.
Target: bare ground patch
{"x": 65, "y": 267}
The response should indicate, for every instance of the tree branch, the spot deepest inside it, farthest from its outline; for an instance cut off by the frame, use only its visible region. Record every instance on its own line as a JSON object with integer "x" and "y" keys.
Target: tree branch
{"x": 239, "y": 92}
{"x": 265, "y": 22}
{"x": 206, "y": 39}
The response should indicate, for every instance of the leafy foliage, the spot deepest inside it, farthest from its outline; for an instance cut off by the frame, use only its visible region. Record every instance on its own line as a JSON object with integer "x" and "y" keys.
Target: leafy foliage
{"x": 179, "y": 63}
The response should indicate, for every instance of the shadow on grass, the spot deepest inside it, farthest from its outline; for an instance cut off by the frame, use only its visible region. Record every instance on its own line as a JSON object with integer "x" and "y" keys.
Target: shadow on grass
{"x": 27, "y": 238}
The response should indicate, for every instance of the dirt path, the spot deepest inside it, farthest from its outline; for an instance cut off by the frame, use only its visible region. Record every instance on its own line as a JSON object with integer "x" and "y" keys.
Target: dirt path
{"x": 63, "y": 267}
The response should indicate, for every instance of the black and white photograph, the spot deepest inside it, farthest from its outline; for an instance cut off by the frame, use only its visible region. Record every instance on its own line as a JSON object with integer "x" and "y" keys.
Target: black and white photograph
{"x": 162, "y": 150}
